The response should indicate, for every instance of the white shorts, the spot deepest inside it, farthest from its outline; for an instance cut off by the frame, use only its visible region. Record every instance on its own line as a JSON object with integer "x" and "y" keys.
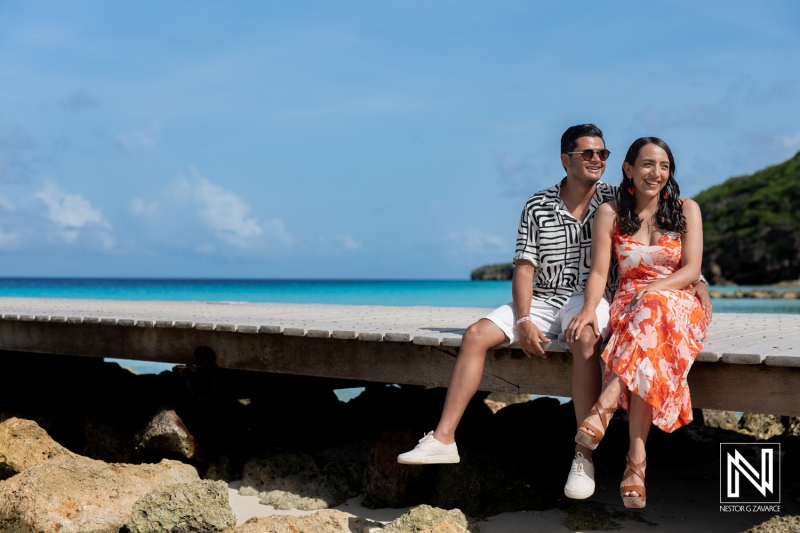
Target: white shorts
{"x": 550, "y": 320}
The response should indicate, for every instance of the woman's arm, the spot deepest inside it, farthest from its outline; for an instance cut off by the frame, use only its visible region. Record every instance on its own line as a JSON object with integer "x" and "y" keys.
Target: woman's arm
{"x": 602, "y": 236}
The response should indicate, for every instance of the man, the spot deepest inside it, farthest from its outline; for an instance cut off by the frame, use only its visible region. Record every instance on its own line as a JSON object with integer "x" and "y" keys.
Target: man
{"x": 554, "y": 246}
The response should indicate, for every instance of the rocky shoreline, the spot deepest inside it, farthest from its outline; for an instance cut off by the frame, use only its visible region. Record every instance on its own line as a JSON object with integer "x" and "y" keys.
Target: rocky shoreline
{"x": 89, "y": 446}
{"x": 779, "y": 291}
{"x": 757, "y": 294}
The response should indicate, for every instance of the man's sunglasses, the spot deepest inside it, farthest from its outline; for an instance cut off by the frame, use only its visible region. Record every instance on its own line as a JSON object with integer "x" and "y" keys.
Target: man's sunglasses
{"x": 587, "y": 155}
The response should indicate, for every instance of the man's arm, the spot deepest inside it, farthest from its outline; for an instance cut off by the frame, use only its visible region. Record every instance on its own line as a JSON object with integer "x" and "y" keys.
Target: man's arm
{"x": 530, "y": 338}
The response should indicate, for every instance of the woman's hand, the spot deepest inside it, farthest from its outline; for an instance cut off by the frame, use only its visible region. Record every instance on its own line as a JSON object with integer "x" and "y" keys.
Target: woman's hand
{"x": 586, "y": 317}
{"x": 637, "y": 296}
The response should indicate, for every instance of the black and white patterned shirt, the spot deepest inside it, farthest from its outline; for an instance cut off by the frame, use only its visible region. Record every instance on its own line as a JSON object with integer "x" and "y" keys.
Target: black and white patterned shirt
{"x": 559, "y": 246}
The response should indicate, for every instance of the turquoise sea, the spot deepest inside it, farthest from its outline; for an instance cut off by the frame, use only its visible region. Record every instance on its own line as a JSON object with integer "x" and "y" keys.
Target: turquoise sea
{"x": 446, "y": 293}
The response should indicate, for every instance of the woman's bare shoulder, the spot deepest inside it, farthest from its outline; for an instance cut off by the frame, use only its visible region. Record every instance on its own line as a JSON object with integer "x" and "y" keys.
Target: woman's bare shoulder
{"x": 690, "y": 207}
{"x": 607, "y": 209}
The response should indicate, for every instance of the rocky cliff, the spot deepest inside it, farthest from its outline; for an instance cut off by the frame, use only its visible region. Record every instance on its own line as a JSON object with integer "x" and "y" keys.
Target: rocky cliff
{"x": 751, "y": 226}
{"x": 498, "y": 271}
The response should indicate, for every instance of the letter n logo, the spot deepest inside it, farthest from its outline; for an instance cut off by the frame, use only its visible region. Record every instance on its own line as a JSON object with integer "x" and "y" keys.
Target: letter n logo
{"x": 750, "y": 473}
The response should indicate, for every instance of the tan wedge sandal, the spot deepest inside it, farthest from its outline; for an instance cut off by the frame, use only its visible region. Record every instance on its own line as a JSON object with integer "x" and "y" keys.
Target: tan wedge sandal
{"x": 634, "y": 502}
{"x": 590, "y": 441}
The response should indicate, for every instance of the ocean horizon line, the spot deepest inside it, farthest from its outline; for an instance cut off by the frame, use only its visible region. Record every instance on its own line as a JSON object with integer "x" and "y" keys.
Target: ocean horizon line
{"x": 168, "y": 278}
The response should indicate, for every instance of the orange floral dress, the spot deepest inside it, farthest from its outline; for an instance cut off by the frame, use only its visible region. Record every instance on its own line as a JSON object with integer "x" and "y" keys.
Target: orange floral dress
{"x": 654, "y": 343}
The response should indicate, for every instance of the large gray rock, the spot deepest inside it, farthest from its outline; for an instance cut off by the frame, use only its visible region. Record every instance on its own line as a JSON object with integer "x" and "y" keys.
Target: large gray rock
{"x": 777, "y": 524}
{"x": 506, "y": 468}
{"x": 427, "y": 518}
{"x": 109, "y": 443}
{"x": 720, "y": 419}
{"x": 389, "y": 483}
{"x": 497, "y": 400}
{"x": 24, "y": 444}
{"x": 74, "y": 494}
{"x": 198, "y": 507}
{"x": 485, "y": 483}
{"x": 222, "y": 469}
{"x": 762, "y": 427}
{"x": 295, "y": 499}
{"x": 446, "y": 526}
{"x": 294, "y": 481}
{"x": 327, "y": 521}
{"x": 509, "y": 398}
{"x": 792, "y": 424}
{"x": 165, "y": 435}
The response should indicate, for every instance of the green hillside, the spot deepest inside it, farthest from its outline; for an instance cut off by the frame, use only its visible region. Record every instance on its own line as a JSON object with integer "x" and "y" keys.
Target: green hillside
{"x": 751, "y": 226}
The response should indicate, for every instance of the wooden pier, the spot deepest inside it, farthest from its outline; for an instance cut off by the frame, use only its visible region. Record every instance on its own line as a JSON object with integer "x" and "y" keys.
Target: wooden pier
{"x": 751, "y": 362}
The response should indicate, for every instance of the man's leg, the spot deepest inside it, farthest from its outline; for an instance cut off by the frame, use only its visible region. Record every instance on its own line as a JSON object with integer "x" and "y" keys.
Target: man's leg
{"x": 586, "y": 379}
{"x": 439, "y": 446}
{"x": 586, "y": 376}
{"x": 466, "y": 376}
{"x": 586, "y": 387}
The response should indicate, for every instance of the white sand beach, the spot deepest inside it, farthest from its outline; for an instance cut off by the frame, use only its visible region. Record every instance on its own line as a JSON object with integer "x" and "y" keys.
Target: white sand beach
{"x": 678, "y": 500}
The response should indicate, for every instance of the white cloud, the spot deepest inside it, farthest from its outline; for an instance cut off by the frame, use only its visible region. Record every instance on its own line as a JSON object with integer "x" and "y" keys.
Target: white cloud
{"x": 224, "y": 212}
{"x": 205, "y": 217}
{"x": 472, "y": 241}
{"x": 6, "y": 204}
{"x": 8, "y": 240}
{"x": 511, "y": 164}
{"x": 69, "y": 210}
{"x": 348, "y": 242}
{"x": 206, "y": 249}
{"x": 142, "y": 139}
{"x": 697, "y": 116}
{"x": 73, "y": 217}
{"x": 277, "y": 230}
{"x": 140, "y": 207}
{"x": 770, "y": 148}
{"x": 791, "y": 142}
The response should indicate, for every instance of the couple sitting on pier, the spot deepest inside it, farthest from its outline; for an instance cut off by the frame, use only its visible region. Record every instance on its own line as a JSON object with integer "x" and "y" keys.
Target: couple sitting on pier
{"x": 646, "y": 247}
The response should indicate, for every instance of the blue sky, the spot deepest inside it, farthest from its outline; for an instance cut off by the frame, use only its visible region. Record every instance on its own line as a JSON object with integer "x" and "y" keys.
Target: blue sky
{"x": 391, "y": 139}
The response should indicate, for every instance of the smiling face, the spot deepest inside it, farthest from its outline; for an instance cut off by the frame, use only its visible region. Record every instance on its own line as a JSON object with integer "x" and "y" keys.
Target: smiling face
{"x": 586, "y": 171}
{"x": 650, "y": 171}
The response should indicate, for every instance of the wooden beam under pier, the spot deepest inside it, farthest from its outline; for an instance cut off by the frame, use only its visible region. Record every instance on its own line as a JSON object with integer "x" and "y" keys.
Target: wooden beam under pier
{"x": 751, "y": 362}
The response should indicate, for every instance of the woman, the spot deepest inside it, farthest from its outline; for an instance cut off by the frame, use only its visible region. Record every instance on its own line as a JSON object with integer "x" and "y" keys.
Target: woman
{"x": 657, "y": 323}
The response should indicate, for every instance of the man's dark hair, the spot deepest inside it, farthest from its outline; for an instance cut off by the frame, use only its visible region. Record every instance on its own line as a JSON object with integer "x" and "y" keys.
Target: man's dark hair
{"x": 570, "y": 138}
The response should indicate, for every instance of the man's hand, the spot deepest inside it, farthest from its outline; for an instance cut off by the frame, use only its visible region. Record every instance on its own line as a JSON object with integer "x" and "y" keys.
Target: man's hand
{"x": 530, "y": 339}
{"x": 701, "y": 292}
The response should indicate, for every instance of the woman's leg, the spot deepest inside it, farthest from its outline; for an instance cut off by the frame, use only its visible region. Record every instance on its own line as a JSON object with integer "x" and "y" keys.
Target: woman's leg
{"x": 608, "y": 400}
{"x": 640, "y": 418}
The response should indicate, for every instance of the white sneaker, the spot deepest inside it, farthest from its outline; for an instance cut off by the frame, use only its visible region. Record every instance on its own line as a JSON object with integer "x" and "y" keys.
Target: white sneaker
{"x": 580, "y": 483}
{"x": 430, "y": 451}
